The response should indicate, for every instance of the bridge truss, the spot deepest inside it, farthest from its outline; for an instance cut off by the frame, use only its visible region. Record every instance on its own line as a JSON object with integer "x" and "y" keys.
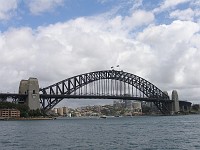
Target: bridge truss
{"x": 107, "y": 84}
{"x": 16, "y": 98}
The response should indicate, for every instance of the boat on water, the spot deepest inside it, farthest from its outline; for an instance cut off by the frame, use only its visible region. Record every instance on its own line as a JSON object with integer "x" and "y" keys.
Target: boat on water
{"x": 103, "y": 117}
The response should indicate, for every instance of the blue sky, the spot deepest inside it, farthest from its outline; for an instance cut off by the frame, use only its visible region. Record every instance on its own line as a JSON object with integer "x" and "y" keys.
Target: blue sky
{"x": 63, "y": 11}
{"x": 24, "y": 13}
{"x": 56, "y": 39}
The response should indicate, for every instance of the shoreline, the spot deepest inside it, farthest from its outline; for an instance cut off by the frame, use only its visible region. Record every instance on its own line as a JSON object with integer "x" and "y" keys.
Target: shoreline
{"x": 57, "y": 117}
{"x": 35, "y": 118}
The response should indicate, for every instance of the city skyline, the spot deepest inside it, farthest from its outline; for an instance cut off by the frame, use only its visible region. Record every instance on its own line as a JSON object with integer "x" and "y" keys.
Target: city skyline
{"x": 56, "y": 39}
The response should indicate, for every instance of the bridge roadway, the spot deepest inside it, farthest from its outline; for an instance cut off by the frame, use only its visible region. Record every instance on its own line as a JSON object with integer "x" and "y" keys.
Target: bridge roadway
{"x": 15, "y": 96}
{"x": 104, "y": 97}
{"x": 24, "y": 96}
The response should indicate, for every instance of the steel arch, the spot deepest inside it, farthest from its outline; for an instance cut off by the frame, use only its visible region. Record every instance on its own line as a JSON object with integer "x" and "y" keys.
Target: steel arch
{"x": 70, "y": 85}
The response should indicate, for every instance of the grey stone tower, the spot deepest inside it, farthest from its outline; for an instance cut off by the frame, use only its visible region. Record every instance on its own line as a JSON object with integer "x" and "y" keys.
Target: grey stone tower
{"x": 175, "y": 104}
{"x": 30, "y": 87}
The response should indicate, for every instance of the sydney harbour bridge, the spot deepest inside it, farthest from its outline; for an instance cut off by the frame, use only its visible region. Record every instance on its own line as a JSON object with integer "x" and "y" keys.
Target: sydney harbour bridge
{"x": 106, "y": 84}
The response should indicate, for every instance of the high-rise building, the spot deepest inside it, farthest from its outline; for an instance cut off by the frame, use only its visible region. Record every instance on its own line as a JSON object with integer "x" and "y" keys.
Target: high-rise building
{"x": 65, "y": 110}
{"x": 60, "y": 111}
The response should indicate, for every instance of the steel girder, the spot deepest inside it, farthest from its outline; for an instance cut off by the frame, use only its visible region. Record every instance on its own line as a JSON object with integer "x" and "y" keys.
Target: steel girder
{"x": 70, "y": 85}
{"x": 17, "y": 98}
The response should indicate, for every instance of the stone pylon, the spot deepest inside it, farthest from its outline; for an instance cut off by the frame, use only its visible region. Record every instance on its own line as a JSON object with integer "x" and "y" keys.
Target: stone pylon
{"x": 31, "y": 88}
{"x": 175, "y": 103}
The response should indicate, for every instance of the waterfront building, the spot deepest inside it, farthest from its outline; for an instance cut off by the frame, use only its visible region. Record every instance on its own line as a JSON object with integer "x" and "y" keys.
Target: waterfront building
{"x": 128, "y": 105}
{"x": 69, "y": 115}
{"x": 117, "y": 104}
{"x": 77, "y": 114}
{"x": 60, "y": 111}
{"x": 4, "y": 113}
{"x": 65, "y": 110}
{"x": 137, "y": 107}
{"x": 97, "y": 108}
{"x": 9, "y": 113}
{"x": 55, "y": 110}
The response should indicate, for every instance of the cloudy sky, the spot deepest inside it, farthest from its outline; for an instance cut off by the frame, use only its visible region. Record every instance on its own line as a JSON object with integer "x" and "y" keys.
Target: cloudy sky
{"x": 52, "y": 40}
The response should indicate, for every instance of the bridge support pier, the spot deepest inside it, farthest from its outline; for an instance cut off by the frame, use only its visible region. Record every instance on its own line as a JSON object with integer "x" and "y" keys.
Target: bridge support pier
{"x": 30, "y": 87}
{"x": 175, "y": 102}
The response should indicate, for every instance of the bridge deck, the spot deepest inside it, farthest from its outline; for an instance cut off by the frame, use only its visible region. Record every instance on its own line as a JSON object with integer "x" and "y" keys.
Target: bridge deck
{"x": 12, "y": 94}
{"x": 104, "y": 97}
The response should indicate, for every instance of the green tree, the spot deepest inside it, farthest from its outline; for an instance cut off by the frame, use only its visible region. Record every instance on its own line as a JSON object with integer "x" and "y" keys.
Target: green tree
{"x": 146, "y": 109}
{"x": 35, "y": 113}
{"x": 24, "y": 110}
{"x": 195, "y": 107}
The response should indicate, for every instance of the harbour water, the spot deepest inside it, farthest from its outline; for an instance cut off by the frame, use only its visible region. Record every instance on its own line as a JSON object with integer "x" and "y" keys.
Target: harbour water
{"x": 121, "y": 133}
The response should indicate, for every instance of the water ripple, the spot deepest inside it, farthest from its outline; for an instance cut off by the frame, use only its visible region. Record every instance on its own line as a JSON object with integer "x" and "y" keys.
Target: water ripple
{"x": 140, "y": 133}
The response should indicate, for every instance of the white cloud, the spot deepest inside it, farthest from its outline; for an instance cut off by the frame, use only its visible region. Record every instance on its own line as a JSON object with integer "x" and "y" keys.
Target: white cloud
{"x": 176, "y": 53}
{"x": 187, "y": 14}
{"x": 102, "y": 1}
{"x": 136, "y": 4}
{"x": 176, "y": 49}
{"x": 167, "y": 4}
{"x": 138, "y": 18}
{"x": 58, "y": 51}
{"x": 39, "y": 6}
{"x": 195, "y": 3}
{"x": 7, "y": 8}
{"x": 126, "y": 24}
